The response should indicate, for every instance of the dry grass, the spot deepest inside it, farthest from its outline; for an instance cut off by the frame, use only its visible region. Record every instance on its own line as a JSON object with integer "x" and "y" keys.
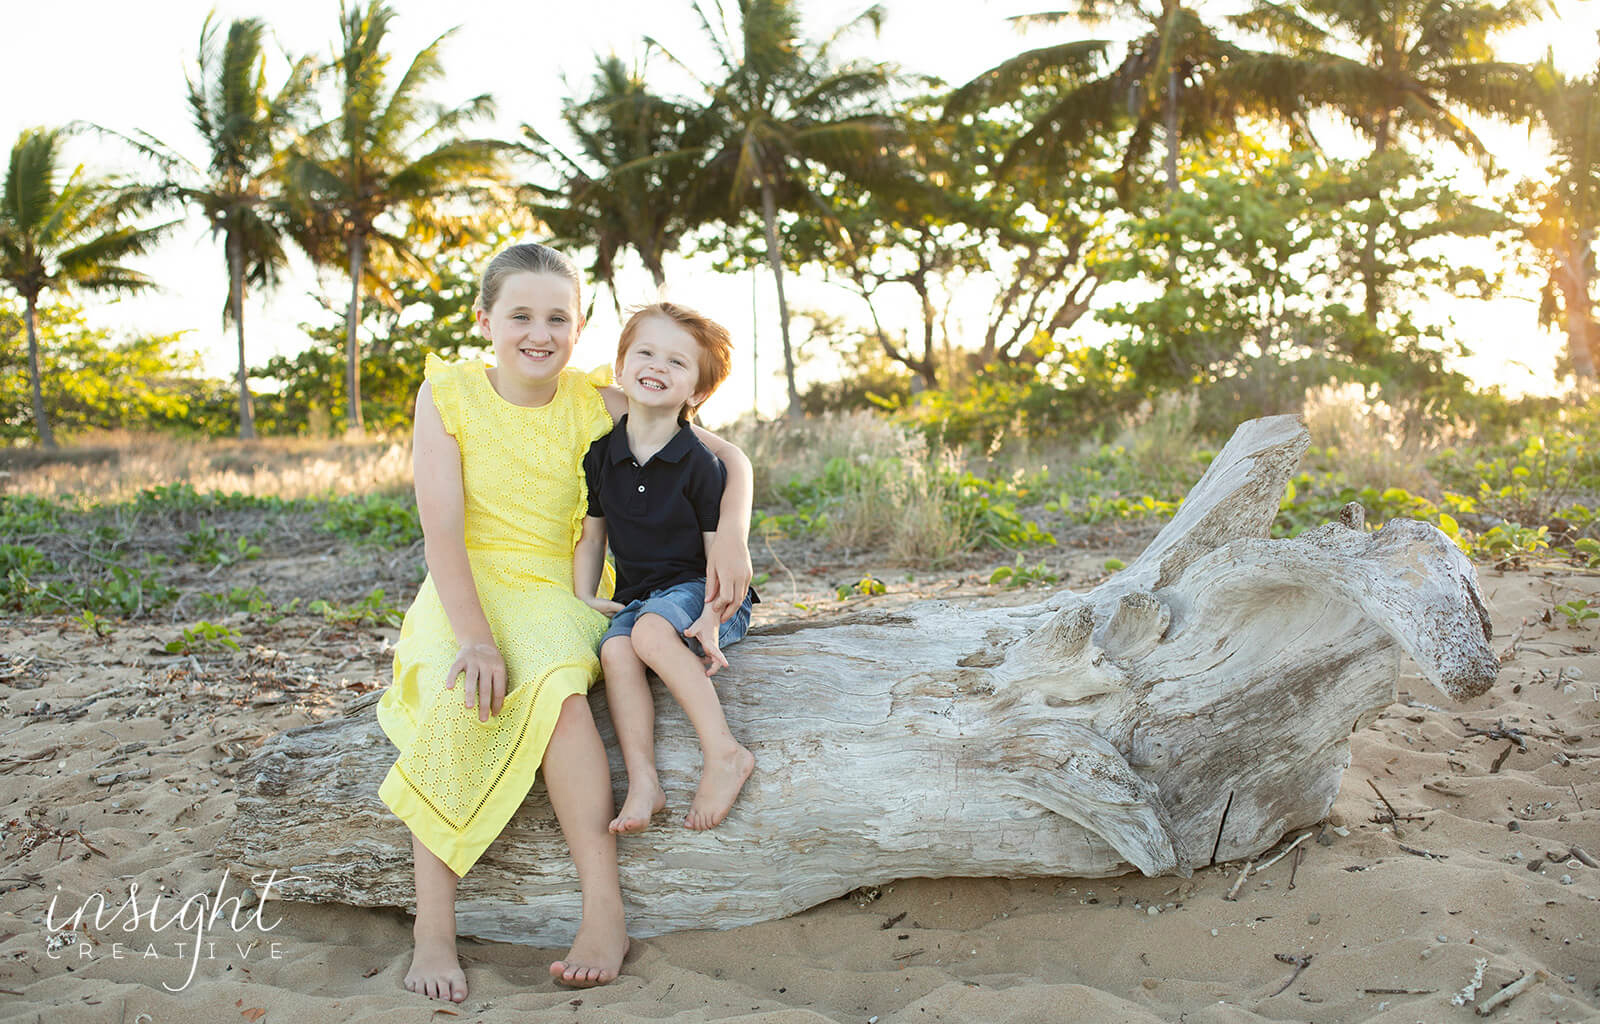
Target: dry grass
{"x": 116, "y": 467}
{"x": 1370, "y": 441}
{"x": 782, "y": 450}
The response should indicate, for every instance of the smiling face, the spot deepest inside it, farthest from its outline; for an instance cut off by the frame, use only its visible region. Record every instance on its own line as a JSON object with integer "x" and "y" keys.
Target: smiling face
{"x": 661, "y": 367}
{"x": 533, "y": 325}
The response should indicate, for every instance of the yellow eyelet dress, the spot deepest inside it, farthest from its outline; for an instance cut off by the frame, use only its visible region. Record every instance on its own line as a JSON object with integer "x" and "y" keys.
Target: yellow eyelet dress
{"x": 457, "y": 780}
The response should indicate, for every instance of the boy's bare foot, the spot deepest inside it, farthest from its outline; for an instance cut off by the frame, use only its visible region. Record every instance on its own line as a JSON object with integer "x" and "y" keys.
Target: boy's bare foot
{"x": 642, "y": 804}
{"x": 435, "y": 970}
{"x": 595, "y": 957}
{"x": 721, "y": 779}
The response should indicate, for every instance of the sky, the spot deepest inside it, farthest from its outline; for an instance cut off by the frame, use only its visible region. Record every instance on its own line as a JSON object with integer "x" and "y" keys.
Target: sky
{"x": 122, "y": 65}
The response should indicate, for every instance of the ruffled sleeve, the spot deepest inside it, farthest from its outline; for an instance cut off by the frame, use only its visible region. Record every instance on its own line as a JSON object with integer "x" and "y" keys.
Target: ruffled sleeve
{"x": 600, "y": 418}
{"x": 445, "y": 380}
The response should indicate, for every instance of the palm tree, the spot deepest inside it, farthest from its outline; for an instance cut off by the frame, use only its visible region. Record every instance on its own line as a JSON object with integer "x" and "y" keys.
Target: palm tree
{"x": 1564, "y": 235}
{"x": 65, "y": 235}
{"x": 244, "y": 128}
{"x": 783, "y": 115}
{"x": 1398, "y": 67}
{"x": 626, "y": 185}
{"x": 387, "y": 151}
{"x": 1178, "y": 74}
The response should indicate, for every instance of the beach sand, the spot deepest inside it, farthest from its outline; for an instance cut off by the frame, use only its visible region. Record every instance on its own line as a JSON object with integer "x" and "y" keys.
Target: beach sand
{"x": 117, "y": 764}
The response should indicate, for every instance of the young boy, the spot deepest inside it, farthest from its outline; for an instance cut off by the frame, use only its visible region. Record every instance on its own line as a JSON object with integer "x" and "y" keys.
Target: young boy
{"x": 656, "y": 490}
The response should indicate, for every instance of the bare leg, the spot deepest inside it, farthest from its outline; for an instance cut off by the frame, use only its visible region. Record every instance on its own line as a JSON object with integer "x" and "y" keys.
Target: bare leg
{"x": 578, "y": 778}
{"x": 633, "y": 714}
{"x": 725, "y": 763}
{"x": 435, "y": 970}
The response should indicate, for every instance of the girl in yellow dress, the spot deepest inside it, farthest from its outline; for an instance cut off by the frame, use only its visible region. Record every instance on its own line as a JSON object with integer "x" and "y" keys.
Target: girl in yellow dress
{"x": 498, "y": 457}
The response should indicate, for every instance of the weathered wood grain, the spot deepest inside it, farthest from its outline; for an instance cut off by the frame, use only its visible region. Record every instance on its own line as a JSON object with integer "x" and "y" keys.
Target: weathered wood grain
{"x": 1191, "y": 709}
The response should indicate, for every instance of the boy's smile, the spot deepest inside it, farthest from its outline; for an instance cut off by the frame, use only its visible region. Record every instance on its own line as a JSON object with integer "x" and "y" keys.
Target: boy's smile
{"x": 661, "y": 369}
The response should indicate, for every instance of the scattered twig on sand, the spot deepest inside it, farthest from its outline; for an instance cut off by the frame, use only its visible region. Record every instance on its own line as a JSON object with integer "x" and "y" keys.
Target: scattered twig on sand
{"x": 1434, "y": 787}
{"x": 1423, "y": 853}
{"x": 13, "y": 761}
{"x": 1295, "y": 866}
{"x": 1582, "y": 857}
{"x": 1394, "y": 815}
{"x": 1238, "y": 883}
{"x": 1257, "y": 866}
{"x": 128, "y": 776}
{"x": 1283, "y": 853}
{"x": 1300, "y": 963}
{"x": 122, "y": 751}
{"x": 1501, "y": 760}
{"x": 1398, "y": 991}
{"x": 1501, "y": 731}
{"x": 1576, "y": 797}
{"x": 1510, "y": 992}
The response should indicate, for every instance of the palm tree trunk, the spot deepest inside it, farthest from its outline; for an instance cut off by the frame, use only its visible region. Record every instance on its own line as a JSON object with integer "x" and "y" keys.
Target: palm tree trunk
{"x": 1578, "y": 311}
{"x": 769, "y": 217}
{"x": 1172, "y": 129}
{"x": 41, "y": 419}
{"x": 1369, "y": 244}
{"x": 247, "y": 418}
{"x": 352, "y": 341}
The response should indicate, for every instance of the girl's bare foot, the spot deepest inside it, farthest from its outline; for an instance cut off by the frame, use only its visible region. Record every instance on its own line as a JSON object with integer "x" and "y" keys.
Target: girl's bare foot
{"x": 435, "y": 970}
{"x": 721, "y": 779}
{"x": 595, "y": 957}
{"x": 643, "y": 803}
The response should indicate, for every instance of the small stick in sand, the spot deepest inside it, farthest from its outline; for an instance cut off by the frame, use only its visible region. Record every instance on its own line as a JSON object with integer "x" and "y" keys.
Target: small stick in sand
{"x": 1582, "y": 857}
{"x": 1398, "y": 991}
{"x": 1283, "y": 853}
{"x": 1423, "y": 853}
{"x": 1300, "y": 964}
{"x": 1494, "y": 768}
{"x": 1238, "y": 883}
{"x": 1510, "y": 992}
{"x": 1394, "y": 815}
{"x": 1295, "y": 866}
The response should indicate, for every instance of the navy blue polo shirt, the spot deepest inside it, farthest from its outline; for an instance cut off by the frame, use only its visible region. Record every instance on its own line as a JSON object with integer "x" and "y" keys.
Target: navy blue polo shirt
{"x": 655, "y": 513}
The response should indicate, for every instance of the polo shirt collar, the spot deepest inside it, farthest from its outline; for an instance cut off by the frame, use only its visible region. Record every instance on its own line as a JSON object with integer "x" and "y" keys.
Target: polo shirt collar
{"x": 681, "y": 444}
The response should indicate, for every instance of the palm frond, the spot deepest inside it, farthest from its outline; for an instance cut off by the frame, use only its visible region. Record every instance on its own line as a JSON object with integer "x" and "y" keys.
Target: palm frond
{"x": 1071, "y": 63}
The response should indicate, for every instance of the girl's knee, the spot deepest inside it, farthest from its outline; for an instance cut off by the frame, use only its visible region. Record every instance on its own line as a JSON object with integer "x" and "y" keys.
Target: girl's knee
{"x": 575, "y": 714}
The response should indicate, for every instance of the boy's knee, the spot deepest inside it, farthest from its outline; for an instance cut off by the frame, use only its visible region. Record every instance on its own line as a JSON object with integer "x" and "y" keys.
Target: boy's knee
{"x": 653, "y": 636}
{"x": 617, "y": 653}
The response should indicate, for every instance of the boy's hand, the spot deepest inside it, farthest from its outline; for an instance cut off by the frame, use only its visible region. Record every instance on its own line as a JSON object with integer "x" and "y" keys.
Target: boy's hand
{"x": 601, "y": 605}
{"x": 704, "y": 630}
{"x": 728, "y": 573}
{"x": 484, "y": 678}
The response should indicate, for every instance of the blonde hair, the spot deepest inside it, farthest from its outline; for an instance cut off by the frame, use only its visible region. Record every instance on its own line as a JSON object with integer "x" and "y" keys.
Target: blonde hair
{"x": 526, "y": 257}
{"x": 716, "y": 344}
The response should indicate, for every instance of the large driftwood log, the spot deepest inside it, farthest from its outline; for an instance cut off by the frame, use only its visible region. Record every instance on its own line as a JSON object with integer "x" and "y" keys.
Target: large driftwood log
{"x": 1191, "y": 709}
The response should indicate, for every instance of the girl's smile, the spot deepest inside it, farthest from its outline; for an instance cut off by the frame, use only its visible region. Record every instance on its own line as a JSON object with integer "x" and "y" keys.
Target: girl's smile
{"x": 533, "y": 327}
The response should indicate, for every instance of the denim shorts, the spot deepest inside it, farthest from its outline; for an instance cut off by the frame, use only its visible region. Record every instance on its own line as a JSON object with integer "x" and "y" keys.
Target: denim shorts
{"x": 681, "y": 604}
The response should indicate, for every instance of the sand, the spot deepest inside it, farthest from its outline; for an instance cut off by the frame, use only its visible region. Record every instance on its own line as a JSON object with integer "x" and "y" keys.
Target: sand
{"x": 117, "y": 764}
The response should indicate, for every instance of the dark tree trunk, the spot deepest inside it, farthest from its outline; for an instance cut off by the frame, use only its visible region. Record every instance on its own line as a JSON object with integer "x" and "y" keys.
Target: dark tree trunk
{"x": 41, "y": 419}
{"x": 769, "y": 217}
{"x": 247, "y": 418}
{"x": 352, "y": 343}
